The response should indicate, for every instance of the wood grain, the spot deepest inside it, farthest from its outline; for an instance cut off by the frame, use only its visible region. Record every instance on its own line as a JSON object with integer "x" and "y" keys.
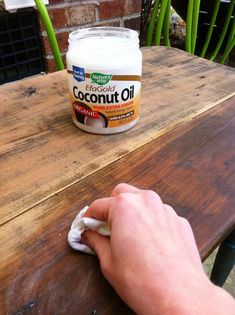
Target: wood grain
{"x": 193, "y": 169}
{"x": 42, "y": 152}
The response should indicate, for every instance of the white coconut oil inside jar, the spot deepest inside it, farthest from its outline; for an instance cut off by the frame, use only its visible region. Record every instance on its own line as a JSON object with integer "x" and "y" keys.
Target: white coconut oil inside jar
{"x": 104, "y": 66}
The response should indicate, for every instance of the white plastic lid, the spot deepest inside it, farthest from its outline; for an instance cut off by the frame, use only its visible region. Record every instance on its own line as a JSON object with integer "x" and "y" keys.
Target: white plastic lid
{"x": 103, "y": 38}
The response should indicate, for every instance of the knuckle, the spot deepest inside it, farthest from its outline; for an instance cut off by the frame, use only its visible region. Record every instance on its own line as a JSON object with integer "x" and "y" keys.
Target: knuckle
{"x": 122, "y": 197}
{"x": 123, "y": 203}
{"x": 118, "y": 188}
{"x": 150, "y": 194}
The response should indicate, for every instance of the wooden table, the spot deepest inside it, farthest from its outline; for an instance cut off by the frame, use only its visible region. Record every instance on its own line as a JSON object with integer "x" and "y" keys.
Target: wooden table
{"x": 183, "y": 147}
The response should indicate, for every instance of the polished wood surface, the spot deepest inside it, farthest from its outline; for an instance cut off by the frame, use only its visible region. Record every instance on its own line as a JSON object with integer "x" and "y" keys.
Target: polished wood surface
{"x": 42, "y": 152}
{"x": 192, "y": 166}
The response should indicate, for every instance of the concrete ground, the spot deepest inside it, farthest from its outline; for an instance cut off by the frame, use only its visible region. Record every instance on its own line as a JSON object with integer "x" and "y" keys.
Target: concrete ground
{"x": 230, "y": 282}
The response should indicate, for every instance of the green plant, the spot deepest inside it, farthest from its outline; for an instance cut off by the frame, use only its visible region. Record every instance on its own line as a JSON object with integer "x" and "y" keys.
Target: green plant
{"x": 158, "y": 21}
{"x": 224, "y": 31}
{"x": 161, "y": 17}
{"x": 152, "y": 22}
{"x": 188, "y": 42}
{"x": 211, "y": 27}
{"x": 50, "y": 33}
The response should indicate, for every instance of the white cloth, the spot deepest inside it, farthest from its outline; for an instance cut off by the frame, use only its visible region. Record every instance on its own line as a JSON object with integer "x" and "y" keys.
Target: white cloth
{"x": 80, "y": 225}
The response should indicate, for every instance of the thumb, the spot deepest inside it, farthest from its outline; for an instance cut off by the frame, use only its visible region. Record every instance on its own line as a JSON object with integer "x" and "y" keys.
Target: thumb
{"x": 100, "y": 244}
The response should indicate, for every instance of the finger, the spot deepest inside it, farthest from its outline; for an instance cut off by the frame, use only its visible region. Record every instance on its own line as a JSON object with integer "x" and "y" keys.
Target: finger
{"x": 99, "y": 209}
{"x": 124, "y": 188}
{"x": 100, "y": 244}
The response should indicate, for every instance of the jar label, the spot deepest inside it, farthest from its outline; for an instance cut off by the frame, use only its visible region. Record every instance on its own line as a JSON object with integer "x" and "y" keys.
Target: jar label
{"x": 104, "y": 100}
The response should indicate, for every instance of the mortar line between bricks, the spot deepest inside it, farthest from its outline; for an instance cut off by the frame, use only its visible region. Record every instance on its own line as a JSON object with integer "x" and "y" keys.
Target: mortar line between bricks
{"x": 97, "y": 14}
{"x": 70, "y": 4}
{"x": 51, "y": 57}
{"x": 97, "y": 23}
{"x": 132, "y": 16}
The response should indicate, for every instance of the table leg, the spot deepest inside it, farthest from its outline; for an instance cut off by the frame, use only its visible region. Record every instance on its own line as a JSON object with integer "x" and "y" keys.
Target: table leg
{"x": 224, "y": 261}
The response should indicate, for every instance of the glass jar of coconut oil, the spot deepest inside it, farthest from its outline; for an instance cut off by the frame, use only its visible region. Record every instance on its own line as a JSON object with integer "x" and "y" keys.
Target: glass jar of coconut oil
{"x": 104, "y": 66}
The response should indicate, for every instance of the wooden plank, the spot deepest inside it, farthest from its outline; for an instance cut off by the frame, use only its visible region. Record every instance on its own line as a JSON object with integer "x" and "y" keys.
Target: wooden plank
{"x": 192, "y": 167}
{"x": 42, "y": 152}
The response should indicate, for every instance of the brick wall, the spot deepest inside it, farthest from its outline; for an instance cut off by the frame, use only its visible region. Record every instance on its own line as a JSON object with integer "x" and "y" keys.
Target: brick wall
{"x": 69, "y": 15}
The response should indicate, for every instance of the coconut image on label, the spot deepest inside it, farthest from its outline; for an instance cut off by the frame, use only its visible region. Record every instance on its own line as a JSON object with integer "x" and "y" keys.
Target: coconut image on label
{"x": 104, "y": 66}
{"x": 85, "y": 115}
{"x": 97, "y": 123}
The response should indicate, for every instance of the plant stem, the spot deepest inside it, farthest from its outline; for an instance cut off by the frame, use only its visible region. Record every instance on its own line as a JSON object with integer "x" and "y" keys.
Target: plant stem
{"x": 50, "y": 33}
{"x": 227, "y": 51}
{"x": 211, "y": 27}
{"x": 166, "y": 25}
{"x": 160, "y": 22}
{"x": 232, "y": 31}
{"x": 188, "y": 44}
{"x": 224, "y": 31}
{"x": 152, "y": 23}
{"x": 196, "y": 8}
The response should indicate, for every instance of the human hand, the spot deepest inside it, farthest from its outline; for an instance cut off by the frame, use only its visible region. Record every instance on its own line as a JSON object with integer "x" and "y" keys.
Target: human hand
{"x": 151, "y": 258}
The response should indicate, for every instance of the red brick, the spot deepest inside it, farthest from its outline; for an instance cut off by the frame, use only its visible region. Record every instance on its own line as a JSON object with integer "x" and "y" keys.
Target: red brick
{"x": 72, "y": 15}
{"x": 79, "y": 2}
{"x": 133, "y": 23}
{"x": 62, "y": 39}
{"x": 108, "y": 23}
{"x": 41, "y": 26}
{"x": 81, "y": 14}
{"x": 132, "y": 6}
{"x": 51, "y": 66}
{"x": 56, "y": 1}
{"x": 58, "y": 17}
{"x": 111, "y": 9}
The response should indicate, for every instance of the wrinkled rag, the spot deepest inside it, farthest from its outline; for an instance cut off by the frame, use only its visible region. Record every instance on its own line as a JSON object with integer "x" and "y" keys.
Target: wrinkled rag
{"x": 80, "y": 225}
